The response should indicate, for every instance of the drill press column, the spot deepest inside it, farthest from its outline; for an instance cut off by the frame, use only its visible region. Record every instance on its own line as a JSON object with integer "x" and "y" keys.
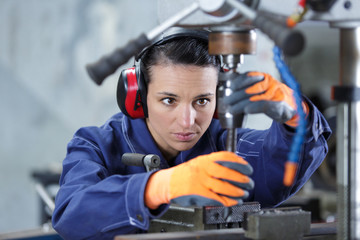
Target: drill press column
{"x": 347, "y": 93}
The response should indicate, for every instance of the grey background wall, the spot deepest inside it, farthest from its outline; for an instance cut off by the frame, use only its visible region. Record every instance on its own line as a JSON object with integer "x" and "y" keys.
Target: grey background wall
{"x": 46, "y": 95}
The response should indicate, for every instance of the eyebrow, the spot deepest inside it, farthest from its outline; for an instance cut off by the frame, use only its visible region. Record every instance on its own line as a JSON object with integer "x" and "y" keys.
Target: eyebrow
{"x": 167, "y": 94}
{"x": 174, "y": 95}
{"x": 205, "y": 95}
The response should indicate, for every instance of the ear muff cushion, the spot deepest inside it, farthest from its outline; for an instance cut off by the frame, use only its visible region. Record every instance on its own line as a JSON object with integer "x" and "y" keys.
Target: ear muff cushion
{"x": 129, "y": 94}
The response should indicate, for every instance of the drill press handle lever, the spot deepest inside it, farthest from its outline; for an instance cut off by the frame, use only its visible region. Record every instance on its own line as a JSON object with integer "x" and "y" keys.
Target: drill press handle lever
{"x": 149, "y": 161}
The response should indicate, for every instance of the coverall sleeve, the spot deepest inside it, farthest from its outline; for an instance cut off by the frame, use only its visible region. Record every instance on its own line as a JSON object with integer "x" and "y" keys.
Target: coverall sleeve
{"x": 93, "y": 203}
{"x": 267, "y": 151}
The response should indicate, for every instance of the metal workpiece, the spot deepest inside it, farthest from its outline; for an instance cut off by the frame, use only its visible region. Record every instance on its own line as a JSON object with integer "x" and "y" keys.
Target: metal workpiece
{"x": 179, "y": 219}
{"x": 215, "y": 215}
{"x": 278, "y": 223}
{"x": 348, "y": 136}
{"x": 202, "y": 218}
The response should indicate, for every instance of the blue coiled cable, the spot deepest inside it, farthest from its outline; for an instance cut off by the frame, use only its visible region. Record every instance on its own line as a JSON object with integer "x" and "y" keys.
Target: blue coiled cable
{"x": 290, "y": 81}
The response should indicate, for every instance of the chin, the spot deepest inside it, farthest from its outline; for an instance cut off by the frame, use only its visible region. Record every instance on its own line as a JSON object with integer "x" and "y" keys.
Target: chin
{"x": 184, "y": 146}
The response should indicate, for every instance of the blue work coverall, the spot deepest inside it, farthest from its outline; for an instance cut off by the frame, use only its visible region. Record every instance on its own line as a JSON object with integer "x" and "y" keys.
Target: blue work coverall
{"x": 99, "y": 197}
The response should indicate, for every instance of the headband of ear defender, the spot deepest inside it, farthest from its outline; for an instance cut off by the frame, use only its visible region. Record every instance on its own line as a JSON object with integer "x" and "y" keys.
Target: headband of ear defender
{"x": 131, "y": 89}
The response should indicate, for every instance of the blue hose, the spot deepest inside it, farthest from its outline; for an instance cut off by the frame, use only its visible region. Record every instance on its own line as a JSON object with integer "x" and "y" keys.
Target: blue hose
{"x": 290, "y": 81}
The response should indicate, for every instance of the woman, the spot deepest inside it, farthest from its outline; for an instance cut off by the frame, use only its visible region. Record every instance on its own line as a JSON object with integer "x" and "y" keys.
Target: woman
{"x": 100, "y": 197}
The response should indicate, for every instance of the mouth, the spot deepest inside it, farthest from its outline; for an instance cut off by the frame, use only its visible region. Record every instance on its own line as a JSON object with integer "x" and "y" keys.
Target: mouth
{"x": 185, "y": 136}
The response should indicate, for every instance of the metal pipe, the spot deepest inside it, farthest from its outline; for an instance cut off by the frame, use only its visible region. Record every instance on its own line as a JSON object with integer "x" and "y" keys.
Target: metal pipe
{"x": 348, "y": 139}
{"x": 40, "y": 189}
{"x": 245, "y": 10}
{"x": 172, "y": 21}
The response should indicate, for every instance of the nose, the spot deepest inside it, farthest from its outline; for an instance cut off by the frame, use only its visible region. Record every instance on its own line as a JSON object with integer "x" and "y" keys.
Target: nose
{"x": 186, "y": 116}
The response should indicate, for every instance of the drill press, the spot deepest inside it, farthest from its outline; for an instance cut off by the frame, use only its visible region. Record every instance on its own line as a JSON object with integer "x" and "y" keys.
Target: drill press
{"x": 231, "y": 43}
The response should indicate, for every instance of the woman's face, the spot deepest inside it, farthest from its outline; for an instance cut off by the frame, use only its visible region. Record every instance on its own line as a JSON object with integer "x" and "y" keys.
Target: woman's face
{"x": 181, "y": 101}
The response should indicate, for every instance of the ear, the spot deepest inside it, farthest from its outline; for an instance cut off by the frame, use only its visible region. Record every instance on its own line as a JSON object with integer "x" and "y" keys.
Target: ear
{"x": 131, "y": 93}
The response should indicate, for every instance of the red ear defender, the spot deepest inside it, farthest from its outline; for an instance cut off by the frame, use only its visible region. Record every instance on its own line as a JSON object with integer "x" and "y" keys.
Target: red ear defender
{"x": 131, "y": 93}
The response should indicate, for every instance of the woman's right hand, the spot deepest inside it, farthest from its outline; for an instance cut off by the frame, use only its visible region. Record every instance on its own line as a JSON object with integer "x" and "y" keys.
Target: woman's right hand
{"x": 215, "y": 179}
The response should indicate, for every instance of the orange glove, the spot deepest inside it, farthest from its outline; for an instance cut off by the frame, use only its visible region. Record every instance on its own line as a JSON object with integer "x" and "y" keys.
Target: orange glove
{"x": 208, "y": 180}
{"x": 256, "y": 92}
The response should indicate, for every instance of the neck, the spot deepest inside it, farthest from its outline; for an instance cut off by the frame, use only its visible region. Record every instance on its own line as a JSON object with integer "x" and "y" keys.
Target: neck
{"x": 169, "y": 156}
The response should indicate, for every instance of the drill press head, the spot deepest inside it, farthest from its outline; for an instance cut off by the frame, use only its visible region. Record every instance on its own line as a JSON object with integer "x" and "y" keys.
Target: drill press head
{"x": 231, "y": 43}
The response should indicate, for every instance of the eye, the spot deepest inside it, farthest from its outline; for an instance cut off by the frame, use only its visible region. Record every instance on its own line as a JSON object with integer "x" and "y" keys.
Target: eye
{"x": 202, "y": 101}
{"x": 168, "y": 101}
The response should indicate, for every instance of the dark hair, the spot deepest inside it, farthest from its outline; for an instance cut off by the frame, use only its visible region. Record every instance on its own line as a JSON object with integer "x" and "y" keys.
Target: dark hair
{"x": 185, "y": 50}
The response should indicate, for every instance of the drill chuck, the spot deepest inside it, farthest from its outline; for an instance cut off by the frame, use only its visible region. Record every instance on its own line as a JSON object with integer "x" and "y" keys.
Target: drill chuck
{"x": 227, "y": 119}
